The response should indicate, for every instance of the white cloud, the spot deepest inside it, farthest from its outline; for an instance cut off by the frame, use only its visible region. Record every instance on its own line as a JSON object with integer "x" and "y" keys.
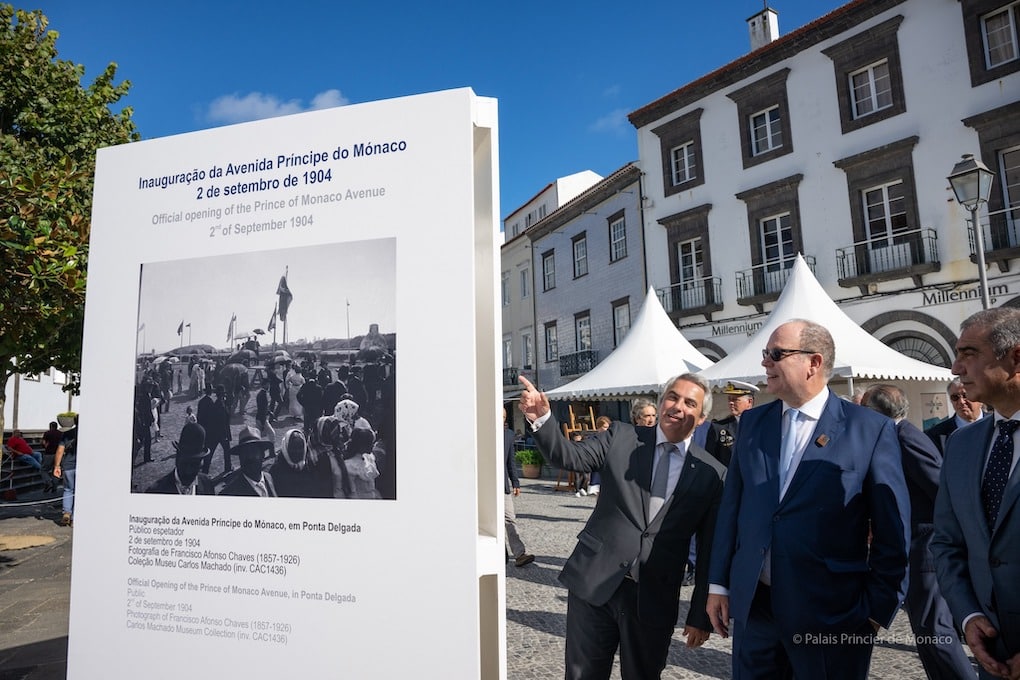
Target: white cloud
{"x": 614, "y": 122}
{"x": 235, "y": 108}
{"x": 612, "y": 91}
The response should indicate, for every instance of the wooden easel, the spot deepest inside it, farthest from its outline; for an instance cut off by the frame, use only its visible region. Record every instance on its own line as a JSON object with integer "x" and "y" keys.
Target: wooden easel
{"x": 578, "y": 423}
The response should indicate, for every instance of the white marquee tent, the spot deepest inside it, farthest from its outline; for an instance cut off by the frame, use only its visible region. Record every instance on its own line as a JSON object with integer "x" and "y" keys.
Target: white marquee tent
{"x": 858, "y": 354}
{"x": 653, "y": 351}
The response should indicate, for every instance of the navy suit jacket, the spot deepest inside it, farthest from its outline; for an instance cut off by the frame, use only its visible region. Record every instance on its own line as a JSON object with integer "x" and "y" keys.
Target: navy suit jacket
{"x": 978, "y": 568}
{"x": 824, "y": 576}
{"x": 619, "y": 529}
{"x": 922, "y": 464}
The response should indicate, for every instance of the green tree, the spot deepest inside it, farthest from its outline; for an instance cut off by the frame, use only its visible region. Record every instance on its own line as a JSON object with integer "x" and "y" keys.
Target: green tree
{"x": 50, "y": 128}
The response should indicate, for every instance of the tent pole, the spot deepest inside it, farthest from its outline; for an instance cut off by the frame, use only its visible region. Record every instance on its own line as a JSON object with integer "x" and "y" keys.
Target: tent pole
{"x": 850, "y": 385}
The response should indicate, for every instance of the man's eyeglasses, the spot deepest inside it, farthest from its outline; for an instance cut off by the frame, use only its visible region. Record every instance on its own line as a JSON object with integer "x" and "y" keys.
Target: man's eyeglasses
{"x": 957, "y": 397}
{"x": 778, "y": 353}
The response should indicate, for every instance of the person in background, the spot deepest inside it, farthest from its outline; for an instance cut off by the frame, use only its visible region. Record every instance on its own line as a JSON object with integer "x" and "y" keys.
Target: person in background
{"x": 581, "y": 479}
{"x": 512, "y": 489}
{"x": 739, "y": 397}
{"x": 965, "y": 413}
{"x": 251, "y": 480}
{"x": 602, "y": 424}
{"x": 643, "y": 413}
{"x": 23, "y": 453}
{"x": 938, "y": 645}
{"x": 64, "y": 464}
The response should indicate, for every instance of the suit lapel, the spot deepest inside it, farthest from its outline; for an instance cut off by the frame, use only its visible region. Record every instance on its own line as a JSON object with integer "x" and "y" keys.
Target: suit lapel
{"x": 828, "y": 429}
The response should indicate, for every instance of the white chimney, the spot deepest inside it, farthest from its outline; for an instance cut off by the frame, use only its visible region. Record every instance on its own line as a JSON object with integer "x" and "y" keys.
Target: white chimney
{"x": 763, "y": 28}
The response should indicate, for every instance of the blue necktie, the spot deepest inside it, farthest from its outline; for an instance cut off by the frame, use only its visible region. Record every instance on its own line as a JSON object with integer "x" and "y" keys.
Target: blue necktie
{"x": 789, "y": 446}
{"x": 997, "y": 472}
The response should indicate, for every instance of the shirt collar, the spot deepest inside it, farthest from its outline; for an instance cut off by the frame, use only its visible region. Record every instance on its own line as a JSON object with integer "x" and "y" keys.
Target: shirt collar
{"x": 813, "y": 407}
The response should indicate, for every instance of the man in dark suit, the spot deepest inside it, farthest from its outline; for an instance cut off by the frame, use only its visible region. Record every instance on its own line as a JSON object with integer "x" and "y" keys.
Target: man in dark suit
{"x": 185, "y": 479}
{"x": 251, "y": 480}
{"x": 658, "y": 490}
{"x": 938, "y": 645}
{"x": 977, "y": 512}
{"x": 966, "y": 412}
{"x": 791, "y": 563}
{"x": 212, "y": 415}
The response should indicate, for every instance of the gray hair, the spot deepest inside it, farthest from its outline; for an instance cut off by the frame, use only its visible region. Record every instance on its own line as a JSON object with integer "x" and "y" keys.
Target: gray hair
{"x": 706, "y": 404}
{"x": 955, "y": 382}
{"x": 888, "y": 400}
{"x": 639, "y": 405}
{"x": 1003, "y": 325}
{"x": 816, "y": 337}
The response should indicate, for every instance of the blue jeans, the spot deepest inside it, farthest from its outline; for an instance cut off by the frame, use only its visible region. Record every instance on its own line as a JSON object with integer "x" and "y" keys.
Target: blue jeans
{"x": 68, "y": 503}
{"x": 34, "y": 459}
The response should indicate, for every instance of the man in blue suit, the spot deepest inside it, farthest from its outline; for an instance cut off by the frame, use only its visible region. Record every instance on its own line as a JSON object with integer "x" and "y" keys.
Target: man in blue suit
{"x": 938, "y": 645}
{"x": 791, "y": 562}
{"x": 977, "y": 511}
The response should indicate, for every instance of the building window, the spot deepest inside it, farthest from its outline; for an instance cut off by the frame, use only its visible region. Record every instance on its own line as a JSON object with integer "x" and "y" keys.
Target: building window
{"x": 617, "y": 237}
{"x": 541, "y": 211}
{"x": 526, "y": 351}
{"x": 773, "y": 220}
{"x": 777, "y": 243}
{"x": 59, "y": 377}
{"x": 548, "y": 270}
{"x": 869, "y": 79}
{"x": 552, "y": 351}
{"x": 621, "y": 320}
{"x": 884, "y": 212}
{"x": 991, "y": 29}
{"x": 763, "y": 111}
{"x": 680, "y": 146}
{"x": 580, "y": 244}
{"x": 1009, "y": 177}
{"x": 883, "y": 203}
{"x": 691, "y": 261}
{"x": 766, "y": 133}
{"x": 999, "y": 147}
{"x": 508, "y": 352}
{"x": 999, "y": 30}
{"x": 582, "y": 331}
{"x": 684, "y": 163}
{"x": 525, "y": 283}
{"x": 515, "y": 229}
{"x": 870, "y": 89}
{"x": 504, "y": 286}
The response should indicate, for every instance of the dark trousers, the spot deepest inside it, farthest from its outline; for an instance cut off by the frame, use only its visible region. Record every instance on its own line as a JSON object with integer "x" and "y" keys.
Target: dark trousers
{"x": 207, "y": 461}
{"x": 938, "y": 645}
{"x": 595, "y": 632}
{"x": 761, "y": 651}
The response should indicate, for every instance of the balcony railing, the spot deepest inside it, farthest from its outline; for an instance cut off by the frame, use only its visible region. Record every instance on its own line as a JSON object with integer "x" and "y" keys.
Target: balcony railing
{"x": 1001, "y": 232}
{"x": 578, "y": 362}
{"x": 764, "y": 282}
{"x": 901, "y": 255}
{"x": 700, "y": 296}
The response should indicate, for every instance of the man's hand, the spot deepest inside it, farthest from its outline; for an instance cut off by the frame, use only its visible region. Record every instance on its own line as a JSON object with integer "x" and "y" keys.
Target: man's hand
{"x": 533, "y": 404}
{"x": 978, "y": 632}
{"x": 517, "y": 491}
{"x": 695, "y": 636}
{"x": 718, "y": 608}
{"x": 1014, "y": 667}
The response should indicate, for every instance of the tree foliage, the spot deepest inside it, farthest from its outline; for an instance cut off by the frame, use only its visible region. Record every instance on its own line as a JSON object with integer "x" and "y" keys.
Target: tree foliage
{"x": 50, "y": 128}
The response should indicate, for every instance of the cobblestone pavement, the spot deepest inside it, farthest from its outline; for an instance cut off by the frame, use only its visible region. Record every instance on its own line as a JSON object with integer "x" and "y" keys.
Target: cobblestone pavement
{"x": 536, "y": 606}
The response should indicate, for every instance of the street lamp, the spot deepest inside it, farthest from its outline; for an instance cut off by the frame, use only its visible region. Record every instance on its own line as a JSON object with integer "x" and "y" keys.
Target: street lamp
{"x": 972, "y": 184}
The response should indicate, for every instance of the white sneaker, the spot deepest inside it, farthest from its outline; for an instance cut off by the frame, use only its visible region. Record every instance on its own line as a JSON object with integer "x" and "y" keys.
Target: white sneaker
{"x": 577, "y": 494}
{"x": 593, "y": 490}
{"x": 582, "y": 492}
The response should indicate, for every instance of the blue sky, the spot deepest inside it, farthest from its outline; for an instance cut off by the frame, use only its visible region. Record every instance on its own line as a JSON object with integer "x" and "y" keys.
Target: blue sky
{"x": 566, "y": 74}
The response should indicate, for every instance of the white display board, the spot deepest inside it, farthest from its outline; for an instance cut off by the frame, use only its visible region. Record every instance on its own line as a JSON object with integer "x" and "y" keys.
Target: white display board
{"x": 376, "y": 217}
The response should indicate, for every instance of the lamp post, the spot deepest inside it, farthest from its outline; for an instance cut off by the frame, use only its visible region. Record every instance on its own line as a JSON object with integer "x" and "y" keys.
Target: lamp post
{"x": 972, "y": 184}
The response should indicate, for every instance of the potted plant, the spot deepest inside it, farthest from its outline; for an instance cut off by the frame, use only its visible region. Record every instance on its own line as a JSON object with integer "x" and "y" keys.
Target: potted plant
{"x": 531, "y": 463}
{"x": 66, "y": 419}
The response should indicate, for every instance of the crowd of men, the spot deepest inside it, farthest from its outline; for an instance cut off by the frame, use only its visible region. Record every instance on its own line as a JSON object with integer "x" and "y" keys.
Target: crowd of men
{"x": 336, "y": 431}
{"x": 805, "y": 523}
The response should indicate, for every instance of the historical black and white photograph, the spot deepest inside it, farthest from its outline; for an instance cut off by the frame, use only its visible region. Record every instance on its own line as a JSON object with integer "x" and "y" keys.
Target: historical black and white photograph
{"x": 268, "y": 374}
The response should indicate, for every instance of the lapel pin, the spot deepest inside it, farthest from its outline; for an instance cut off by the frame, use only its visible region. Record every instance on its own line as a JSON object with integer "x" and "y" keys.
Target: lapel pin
{"x": 822, "y": 440}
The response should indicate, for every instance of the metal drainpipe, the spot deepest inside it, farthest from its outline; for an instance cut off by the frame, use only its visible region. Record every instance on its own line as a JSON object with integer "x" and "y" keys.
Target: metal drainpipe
{"x": 641, "y": 213}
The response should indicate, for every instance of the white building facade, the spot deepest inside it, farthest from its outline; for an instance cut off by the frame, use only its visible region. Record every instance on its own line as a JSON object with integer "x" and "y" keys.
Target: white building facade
{"x": 835, "y": 141}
